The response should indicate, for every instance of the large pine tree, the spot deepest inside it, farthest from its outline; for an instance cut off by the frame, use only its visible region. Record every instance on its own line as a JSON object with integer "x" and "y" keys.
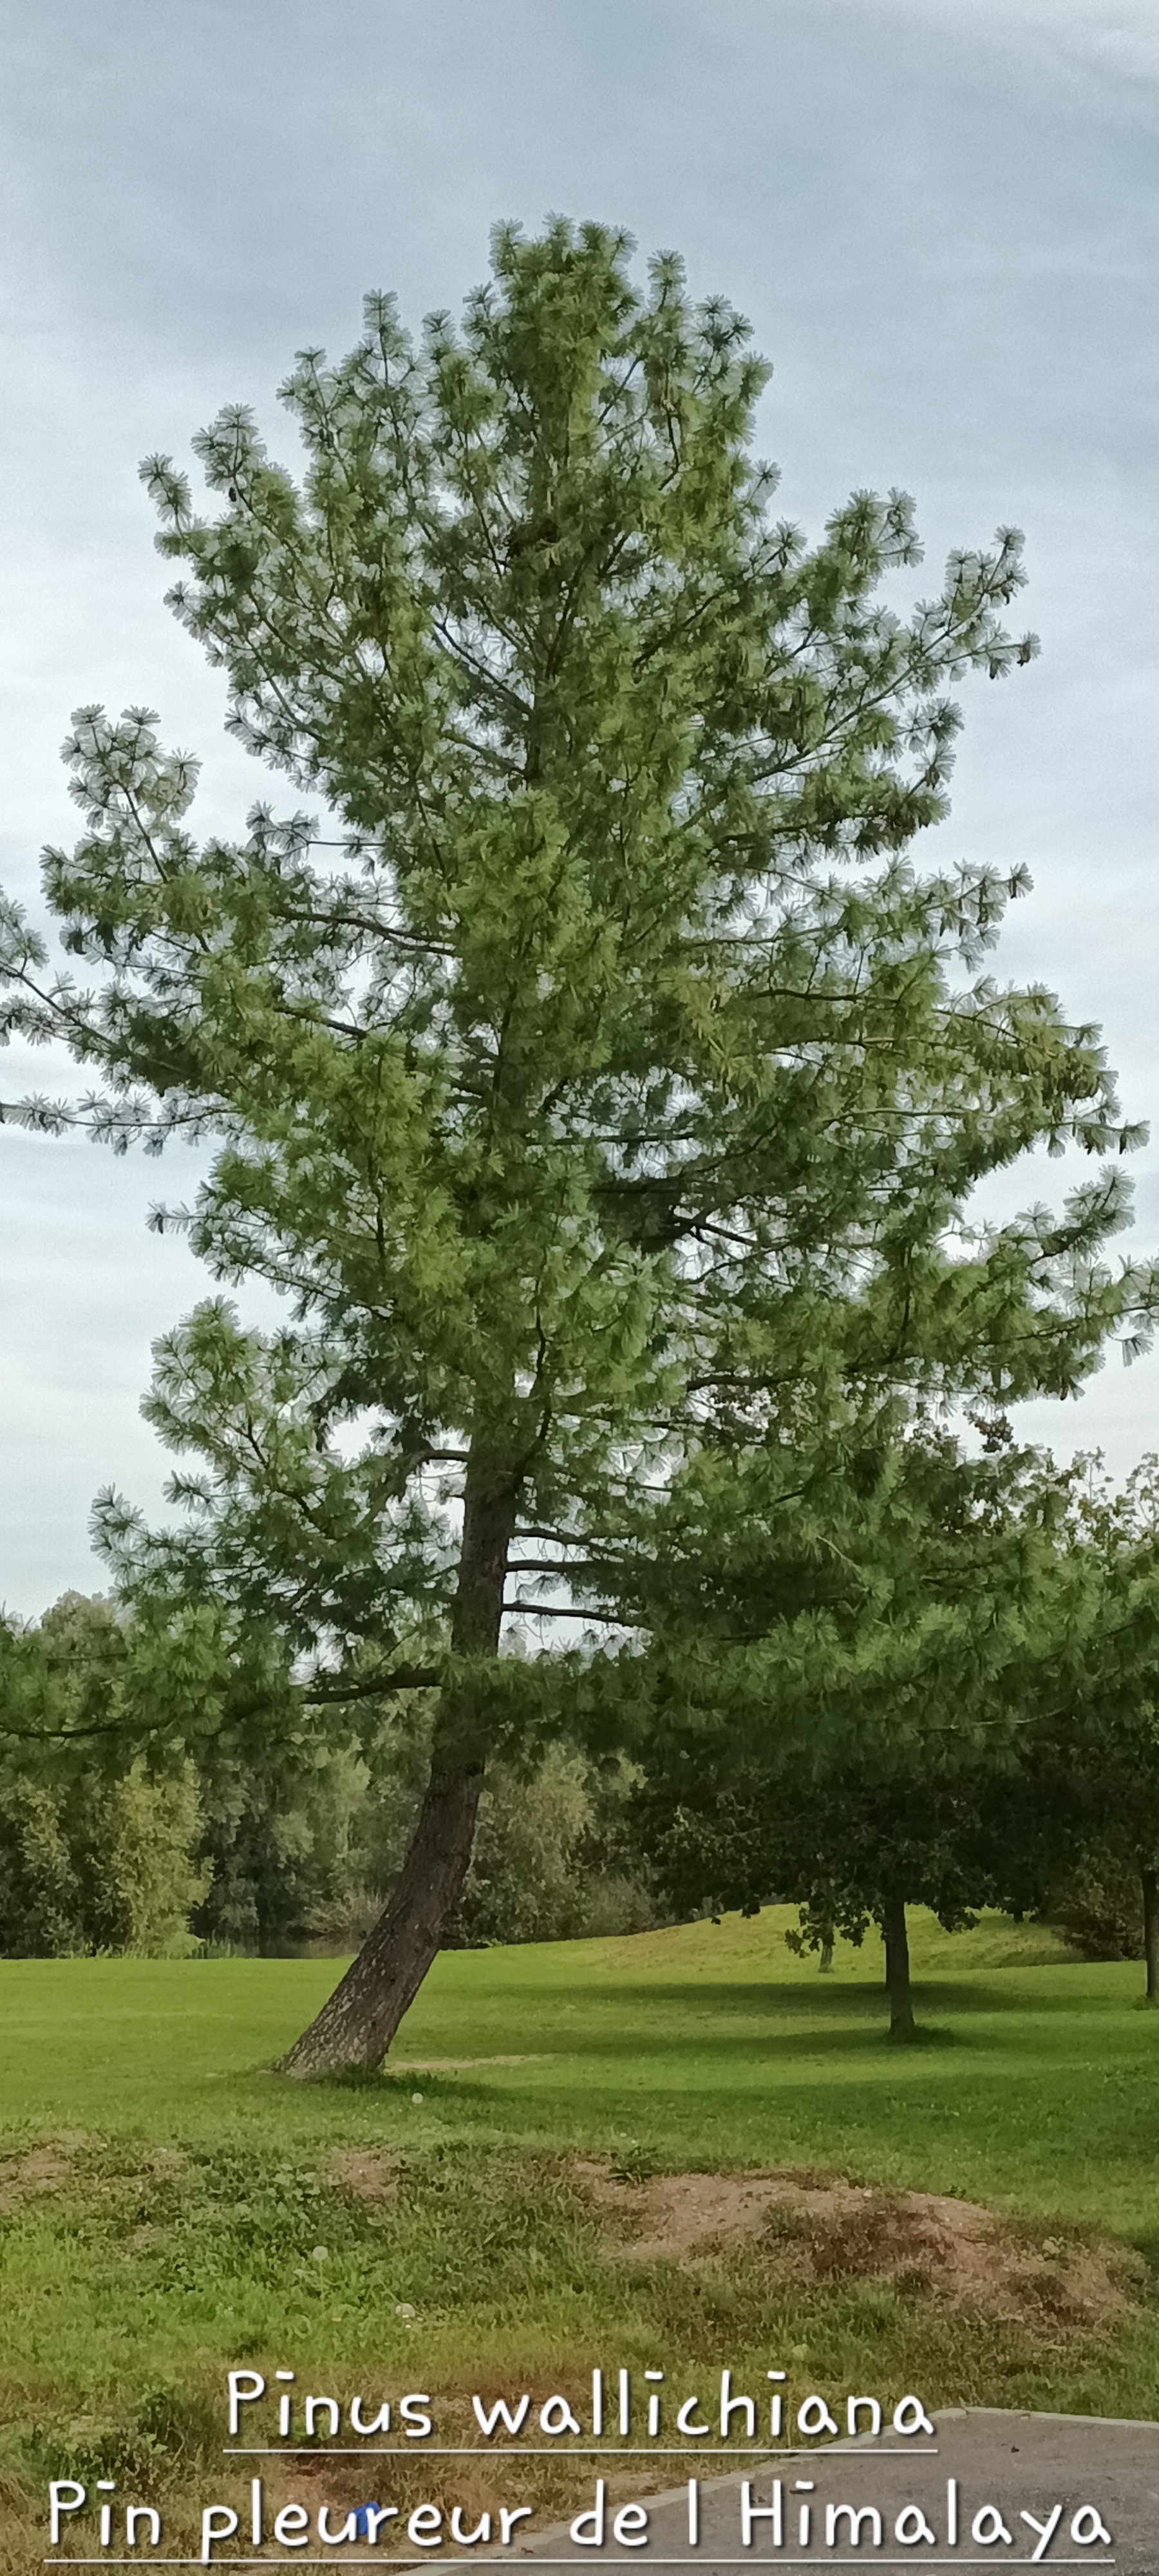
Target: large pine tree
{"x": 596, "y": 1057}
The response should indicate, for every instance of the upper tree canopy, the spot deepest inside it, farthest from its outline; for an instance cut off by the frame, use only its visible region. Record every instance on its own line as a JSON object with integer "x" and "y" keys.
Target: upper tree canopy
{"x": 596, "y": 1065}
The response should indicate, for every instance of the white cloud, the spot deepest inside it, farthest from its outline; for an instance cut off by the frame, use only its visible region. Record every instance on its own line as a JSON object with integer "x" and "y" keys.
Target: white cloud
{"x": 1116, "y": 39}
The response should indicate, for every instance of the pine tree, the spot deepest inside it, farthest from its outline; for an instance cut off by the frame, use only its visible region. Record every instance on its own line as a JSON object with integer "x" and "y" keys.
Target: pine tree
{"x": 596, "y": 1056}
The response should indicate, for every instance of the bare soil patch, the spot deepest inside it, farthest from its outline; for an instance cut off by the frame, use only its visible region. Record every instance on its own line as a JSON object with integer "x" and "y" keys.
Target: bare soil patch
{"x": 451, "y": 2065}
{"x": 367, "y": 2173}
{"x": 42, "y": 2168}
{"x": 821, "y": 2229}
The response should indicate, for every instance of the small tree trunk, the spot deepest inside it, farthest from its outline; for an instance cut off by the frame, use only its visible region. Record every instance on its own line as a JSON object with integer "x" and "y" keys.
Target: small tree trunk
{"x": 357, "y": 2024}
{"x": 901, "y": 2011}
{"x": 1150, "y": 1884}
{"x": 825, "y": 1963}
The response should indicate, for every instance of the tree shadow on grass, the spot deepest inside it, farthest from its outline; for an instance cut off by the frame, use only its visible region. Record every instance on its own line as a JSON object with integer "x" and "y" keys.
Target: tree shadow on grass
{"x": 832, "y": 2002}
{"x": 688, "y": 2010}
{"x": 656, "y": 2025}
{"x": 753, "y": 2027}
{"x": 722, "y": 2050}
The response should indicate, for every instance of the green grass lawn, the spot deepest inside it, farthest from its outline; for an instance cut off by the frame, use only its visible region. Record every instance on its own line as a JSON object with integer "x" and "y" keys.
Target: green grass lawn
{"x": 166, "y": 2197}
{"x": 1035, "y": 2088}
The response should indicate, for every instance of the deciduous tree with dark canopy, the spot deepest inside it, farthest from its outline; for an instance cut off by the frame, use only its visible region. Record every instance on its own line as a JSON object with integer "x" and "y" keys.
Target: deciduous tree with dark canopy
{"x": 1090, "y": 1759}
{"x": 595, "y": 1056}
{"x": 847, "y": 1690}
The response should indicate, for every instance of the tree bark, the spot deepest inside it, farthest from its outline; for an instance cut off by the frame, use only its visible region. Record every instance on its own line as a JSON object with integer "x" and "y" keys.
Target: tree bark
{"x": 357, "y": 2024}
{"x": 893, "y": 1924}
{"x": 826, "y": 1960}
{"x": 1150, "y": 1884}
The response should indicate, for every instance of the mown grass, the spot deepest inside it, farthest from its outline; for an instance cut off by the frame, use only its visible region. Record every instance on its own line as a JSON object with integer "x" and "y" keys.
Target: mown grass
{"x": 170, "y": 2206}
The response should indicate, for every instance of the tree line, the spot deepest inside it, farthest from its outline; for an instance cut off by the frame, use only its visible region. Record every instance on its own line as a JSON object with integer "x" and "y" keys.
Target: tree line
{"x": 1054, "y": 1815}
{"x": 126, "y": 1853}
{"x": 607, "y": 1090}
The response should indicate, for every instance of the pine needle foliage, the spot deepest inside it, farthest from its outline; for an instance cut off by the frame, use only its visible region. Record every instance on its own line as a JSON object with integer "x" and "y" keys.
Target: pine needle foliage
{"x": 593, "y": 1054}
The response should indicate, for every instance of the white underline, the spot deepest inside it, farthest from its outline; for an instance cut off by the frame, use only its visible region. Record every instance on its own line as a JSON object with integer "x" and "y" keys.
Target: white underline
{"x": 712, "y": 2557}
{"x": 581, "y": 2451}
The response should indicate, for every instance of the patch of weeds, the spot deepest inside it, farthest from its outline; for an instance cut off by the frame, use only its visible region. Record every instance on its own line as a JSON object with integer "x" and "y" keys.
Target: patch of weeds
{"x": 635, "y": 2164}
{"x": 782, "y": 2225}
{"x": 169, "y": 2431}
{"x": 257, "y": 2243}
{"x": 913, "y": 2282}
{"x": 872, "y": 2302}
{"x": 1148, "y": 2246}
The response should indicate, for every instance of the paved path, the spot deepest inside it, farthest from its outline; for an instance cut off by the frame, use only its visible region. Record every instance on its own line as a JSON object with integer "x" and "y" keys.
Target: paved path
{"x": 980, "y": 2494}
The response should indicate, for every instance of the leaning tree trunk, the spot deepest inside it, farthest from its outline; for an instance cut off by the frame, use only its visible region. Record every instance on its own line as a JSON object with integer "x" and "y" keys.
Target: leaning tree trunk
{"x": 1150, "y": 1883}
{"x": 901, "y": 2010}
{"x": 357, "y": 2024}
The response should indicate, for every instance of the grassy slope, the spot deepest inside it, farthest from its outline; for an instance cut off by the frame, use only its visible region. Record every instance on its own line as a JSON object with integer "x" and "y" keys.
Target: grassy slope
{"x": 130, "y": 2284}
{"x": 707, "y": 2045}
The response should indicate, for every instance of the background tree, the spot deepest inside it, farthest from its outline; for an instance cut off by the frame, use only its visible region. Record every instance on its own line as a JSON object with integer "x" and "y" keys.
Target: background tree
{"x": 846, "y": 1691}
{"x": 1089, "y": 1835}
{"x": 97, "y": 1849}
{"x": 100, "y": 1850}
{"x": 311, "y": 1859}
{"x": 850, "y": 1846}
{"x": 597, "y": 1061}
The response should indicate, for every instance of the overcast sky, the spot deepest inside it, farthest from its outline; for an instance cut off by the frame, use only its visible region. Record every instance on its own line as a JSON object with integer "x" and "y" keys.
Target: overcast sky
{"x": 943, "y": 219}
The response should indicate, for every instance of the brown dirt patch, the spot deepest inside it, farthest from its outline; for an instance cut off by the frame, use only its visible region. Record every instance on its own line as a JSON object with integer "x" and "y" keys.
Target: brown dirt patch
{"x": 451, "y": 2065}
{"x": 41, "y": 2168}
{"x": 818, "y": 2228}
{"x": 367, "y": 2173}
